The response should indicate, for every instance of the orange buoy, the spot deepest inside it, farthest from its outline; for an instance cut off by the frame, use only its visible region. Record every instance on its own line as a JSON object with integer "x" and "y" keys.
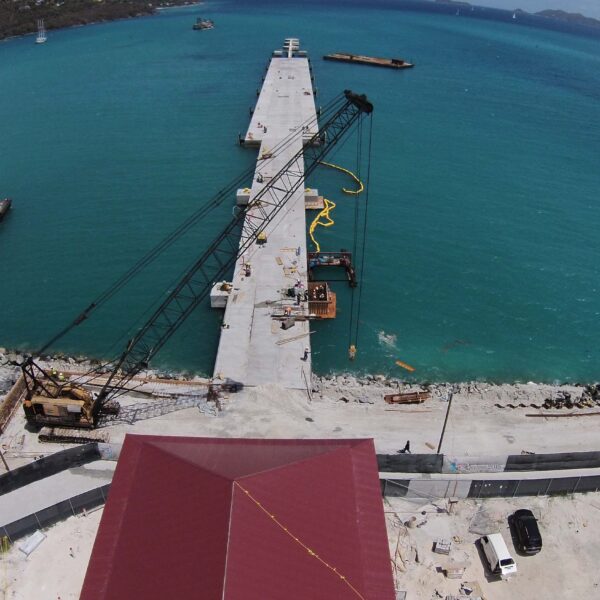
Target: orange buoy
{"x": 405, "y": 366}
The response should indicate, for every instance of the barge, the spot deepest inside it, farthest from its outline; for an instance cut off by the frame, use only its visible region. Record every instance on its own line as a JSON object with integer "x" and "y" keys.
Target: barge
{"x": 390, "y": 63}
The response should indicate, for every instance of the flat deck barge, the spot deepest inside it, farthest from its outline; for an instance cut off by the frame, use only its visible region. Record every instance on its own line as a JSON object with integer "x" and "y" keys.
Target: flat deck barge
{"x": 390, "y": 63}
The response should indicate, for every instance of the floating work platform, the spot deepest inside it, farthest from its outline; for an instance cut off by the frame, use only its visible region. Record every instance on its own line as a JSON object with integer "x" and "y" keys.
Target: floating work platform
{"x": 390, "y": 63}
{"x": 340, "y": 259}
{"x": 322, "y": 302}
{"x": 266, "y": 331}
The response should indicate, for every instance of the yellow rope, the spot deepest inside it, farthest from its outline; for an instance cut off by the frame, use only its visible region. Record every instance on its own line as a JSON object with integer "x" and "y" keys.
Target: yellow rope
{"x": 329, "y": 205}
{"x": 298, "y": 541}
{"x": 361, "y": 187}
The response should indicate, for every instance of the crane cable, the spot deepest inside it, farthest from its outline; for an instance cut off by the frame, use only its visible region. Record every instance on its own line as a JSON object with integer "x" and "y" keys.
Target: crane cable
{"x": 364, "y": 241}
{"x": 352, "y": 344}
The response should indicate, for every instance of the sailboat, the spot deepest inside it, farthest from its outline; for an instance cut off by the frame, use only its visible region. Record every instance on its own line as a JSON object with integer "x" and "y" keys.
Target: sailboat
{"x": 514, "y": 15}
{"x": 41, "y": 35}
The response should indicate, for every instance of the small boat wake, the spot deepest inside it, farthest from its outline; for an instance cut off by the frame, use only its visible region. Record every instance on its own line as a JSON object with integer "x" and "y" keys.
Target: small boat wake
{"x": 387, "y": 339}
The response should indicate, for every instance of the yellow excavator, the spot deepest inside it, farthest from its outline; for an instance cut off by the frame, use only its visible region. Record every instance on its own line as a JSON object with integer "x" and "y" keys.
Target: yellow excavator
{"x": 53, "y": 400}
{"x": 70, "y": 406}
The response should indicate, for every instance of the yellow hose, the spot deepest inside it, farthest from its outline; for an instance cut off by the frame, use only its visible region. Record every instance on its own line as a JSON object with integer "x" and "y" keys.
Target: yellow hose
{"x": 361, "y": 187}
{"x": 329, "y": 205}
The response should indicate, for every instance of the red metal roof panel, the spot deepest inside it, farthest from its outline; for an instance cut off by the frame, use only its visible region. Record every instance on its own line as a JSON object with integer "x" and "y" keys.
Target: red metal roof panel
{"x": 233, "y": 519}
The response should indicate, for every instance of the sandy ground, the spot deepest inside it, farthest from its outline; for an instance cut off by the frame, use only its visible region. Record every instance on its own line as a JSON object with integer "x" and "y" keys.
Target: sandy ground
{"x": 565, "y": 569}
{"x": 56, "y": 568}
{"x": 480, "y": 424}
{"x": 480, "y": 421}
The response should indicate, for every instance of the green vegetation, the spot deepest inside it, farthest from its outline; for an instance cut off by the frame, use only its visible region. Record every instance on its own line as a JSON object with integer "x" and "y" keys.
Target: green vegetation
{"x": 18, "y": 17}
{"x": 575, "y": 18}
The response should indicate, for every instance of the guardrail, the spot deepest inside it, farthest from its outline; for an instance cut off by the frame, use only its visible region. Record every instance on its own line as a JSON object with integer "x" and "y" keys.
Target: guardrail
{"x": 465, "y": 487}
{"x": 440, "y": 463}
{"x": 49, "y": 465}
{"x": 55, "y": 513}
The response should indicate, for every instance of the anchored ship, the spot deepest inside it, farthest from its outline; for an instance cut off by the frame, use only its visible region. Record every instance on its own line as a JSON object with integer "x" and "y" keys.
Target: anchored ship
{"x": 390, "y": 63}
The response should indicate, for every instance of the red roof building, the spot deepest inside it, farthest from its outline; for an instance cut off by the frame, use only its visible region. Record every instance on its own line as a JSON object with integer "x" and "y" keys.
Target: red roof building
{"x": 242, "y": 519}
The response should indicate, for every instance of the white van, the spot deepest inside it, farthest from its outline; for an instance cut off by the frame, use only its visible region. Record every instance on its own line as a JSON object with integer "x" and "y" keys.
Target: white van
{"x": 498, "y": 557}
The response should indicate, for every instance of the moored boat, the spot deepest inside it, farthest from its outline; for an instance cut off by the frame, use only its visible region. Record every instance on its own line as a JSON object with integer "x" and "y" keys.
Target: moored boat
{"x": 4, "y": 207}
{"x": 203, "y": 24}
{"x": 41, "y": 35}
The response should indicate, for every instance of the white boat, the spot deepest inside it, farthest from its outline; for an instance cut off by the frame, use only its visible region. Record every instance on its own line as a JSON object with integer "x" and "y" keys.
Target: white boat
{"x": 41, "y": 35}
{"x": 514, "y": 15}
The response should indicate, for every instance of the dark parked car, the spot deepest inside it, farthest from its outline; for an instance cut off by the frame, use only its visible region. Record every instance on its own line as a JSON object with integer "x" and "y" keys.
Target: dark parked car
{"x": 527, "y": 531}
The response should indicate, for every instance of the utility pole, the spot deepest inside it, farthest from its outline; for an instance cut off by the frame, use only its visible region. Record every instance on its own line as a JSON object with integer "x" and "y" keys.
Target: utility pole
{"x": 445, "y": 421}
{"x": 4, "y": 461}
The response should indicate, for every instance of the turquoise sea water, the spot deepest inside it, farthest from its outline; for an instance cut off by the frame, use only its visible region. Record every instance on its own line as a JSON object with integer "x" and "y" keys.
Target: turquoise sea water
{"x": 483, "y": 249}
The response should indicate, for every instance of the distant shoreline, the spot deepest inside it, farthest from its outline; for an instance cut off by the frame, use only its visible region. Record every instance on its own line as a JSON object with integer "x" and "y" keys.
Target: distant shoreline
{"x": 549, "y": 20}
{"x": 558, "y": 20}
{"x": 16, "y": 23}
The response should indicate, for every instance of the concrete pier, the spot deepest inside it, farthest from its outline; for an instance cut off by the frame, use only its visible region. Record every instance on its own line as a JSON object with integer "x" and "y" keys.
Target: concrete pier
{"x": 254, "y": 348}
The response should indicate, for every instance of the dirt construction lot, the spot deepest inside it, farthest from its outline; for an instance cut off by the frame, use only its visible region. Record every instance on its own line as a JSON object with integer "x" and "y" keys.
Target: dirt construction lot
{"x": 565, "y": 569}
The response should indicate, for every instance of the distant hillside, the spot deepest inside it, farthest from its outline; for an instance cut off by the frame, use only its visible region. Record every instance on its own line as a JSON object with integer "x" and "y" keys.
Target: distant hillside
{"x": 18, "y": 17}
{"x": 575, "y": 18}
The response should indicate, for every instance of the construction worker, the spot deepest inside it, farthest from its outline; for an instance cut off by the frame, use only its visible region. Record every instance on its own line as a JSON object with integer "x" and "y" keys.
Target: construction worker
{"x": 61, "y": 376}
{"x": 306, "y": 353}
{"x": 53, "y": 373}
{"x": 352, "y": 352}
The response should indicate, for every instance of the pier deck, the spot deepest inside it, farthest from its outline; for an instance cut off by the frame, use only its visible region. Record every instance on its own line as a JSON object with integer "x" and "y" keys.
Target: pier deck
{"x": 285, "y": 103}
{"x": 253, "y": 348}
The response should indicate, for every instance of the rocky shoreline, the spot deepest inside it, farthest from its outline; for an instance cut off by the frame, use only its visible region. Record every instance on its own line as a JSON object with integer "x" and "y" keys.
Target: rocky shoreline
{"x": 344, "y": 387}
{"x": 367, "y": 389}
